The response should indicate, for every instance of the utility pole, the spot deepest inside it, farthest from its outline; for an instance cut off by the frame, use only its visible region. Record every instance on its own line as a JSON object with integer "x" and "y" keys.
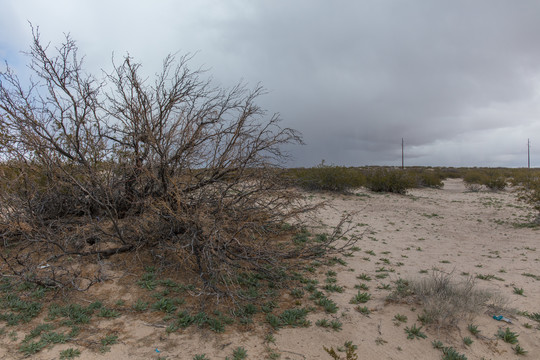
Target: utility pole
{"x": 402, "y": 157}
{"x": 528, "y": 154}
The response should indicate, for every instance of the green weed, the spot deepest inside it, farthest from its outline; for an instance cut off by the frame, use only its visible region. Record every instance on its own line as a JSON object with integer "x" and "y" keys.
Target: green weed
{"x": 473, "y": 329}
{"x": 518, "y": 291}
{"x": 449, "y": 353}
{"x": 69, "y": 354}
{"x": 414, "y": 332}
{"x": 507, "y": 336}
{"x": 519, "y": 350}
{"x": 360, "y": 297}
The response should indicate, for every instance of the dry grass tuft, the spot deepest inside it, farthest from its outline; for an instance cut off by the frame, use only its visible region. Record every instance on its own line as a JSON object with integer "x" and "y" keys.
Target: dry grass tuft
{"x": 444, "y": 300}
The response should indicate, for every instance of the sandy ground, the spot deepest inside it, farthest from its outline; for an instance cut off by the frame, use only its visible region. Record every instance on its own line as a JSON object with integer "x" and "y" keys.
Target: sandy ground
{"x": 447, "y": 229}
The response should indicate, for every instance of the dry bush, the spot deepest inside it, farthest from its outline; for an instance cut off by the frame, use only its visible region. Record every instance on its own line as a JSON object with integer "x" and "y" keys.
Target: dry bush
{"x": 177, "y": 167}
{"x": 444, "y": 301}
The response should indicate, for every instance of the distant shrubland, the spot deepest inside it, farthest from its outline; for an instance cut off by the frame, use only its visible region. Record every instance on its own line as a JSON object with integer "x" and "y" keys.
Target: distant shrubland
{"x": 379, "y": 179}
{"x": 526, "y": 182}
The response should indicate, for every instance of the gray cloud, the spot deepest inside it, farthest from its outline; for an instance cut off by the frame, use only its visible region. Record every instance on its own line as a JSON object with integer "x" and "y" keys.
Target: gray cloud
{"x": 459, "y": 80}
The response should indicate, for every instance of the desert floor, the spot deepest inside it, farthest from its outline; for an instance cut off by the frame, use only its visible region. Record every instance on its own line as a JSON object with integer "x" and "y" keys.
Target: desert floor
{"x": 448, "y": 229}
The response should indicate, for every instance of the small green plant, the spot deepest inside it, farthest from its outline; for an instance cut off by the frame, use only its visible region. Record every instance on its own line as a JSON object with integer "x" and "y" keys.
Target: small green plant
{"x": 336, "y": 325}
{"x": 437, "y": 344}
{"x": 415, "y": 333}
{"x": 333, "y": 288}
{"x": 364, "y": 277}
{"x": 216, "y": 325}
{"x": 140, "y": 305}
{"x": 533, "y": 316}
{"x": 69, "y": 353}
{"x": 21, "y": 310}
{"x": 76, "y": 313}
{"x": 31, "y": 348}
{"x": 535, "y": 277}
{"x": 400, "y": 318}
{"x": 289, "y": 317}
{"x": 148, "y": 280}
{"x": 467, "y": 340}
{"x": 166, "y": 305}
{"x": 488, "y": 277}
{"x": 297, "y": 293}
{"x": 239, "y": 353}
{"x": 54, "y": 338}
{"x": 360, "y": 297}
{"x": 108, "y": 313}
{"x": 449, "y": 353}
{"x": 200, "y": 357}
{"x": 13, "y": 335}
{"x": 75, "y": 331}
{"x": 518, "y": 291}
{"x": 508, "y": 336}
{"x": 322, "y": 323}
{"x": 268, "y": 306}
{"x": 106, "y": 341}
{"x": 363, "y": 310}
{"x": 473, "y": 329}
{"x": 328, "y": 305}
{"x": 519, "y": 350}
{"x": 37, "y": 331}
{"x": 361, "y": 287}
{"x": 335, "y": 260}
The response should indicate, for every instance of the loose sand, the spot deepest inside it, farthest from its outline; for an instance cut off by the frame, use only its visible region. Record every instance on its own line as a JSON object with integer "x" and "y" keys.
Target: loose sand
{"x": 448, "y": 229}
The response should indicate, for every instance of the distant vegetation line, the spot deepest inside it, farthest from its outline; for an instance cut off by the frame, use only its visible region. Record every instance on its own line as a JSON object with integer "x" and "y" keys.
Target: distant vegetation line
{"x": 526, "y": 182}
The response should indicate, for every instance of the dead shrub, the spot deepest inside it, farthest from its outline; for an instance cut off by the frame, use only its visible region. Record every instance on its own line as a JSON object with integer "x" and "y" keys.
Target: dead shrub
{"x": 443, "y": 300}
{"x": 176, "y": 167}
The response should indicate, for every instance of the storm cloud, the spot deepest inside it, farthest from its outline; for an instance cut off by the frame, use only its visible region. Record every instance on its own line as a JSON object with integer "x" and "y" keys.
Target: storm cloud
{"x": 458, "y": 80}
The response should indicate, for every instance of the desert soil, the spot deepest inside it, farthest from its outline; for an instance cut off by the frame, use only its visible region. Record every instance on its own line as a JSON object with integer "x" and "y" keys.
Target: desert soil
{"x": 448, "y": 229}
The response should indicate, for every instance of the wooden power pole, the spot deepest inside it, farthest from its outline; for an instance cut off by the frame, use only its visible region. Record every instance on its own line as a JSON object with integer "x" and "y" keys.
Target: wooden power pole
{"x": 402, "y": 156}
{"x": 528, "y": 154}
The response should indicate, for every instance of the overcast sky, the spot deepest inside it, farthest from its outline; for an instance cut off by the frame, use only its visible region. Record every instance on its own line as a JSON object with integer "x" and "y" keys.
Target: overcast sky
{"x": 458, "y": 80}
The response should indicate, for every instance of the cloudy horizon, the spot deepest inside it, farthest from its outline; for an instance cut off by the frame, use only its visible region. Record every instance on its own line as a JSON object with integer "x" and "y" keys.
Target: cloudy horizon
{"x": 459, "y": 81}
